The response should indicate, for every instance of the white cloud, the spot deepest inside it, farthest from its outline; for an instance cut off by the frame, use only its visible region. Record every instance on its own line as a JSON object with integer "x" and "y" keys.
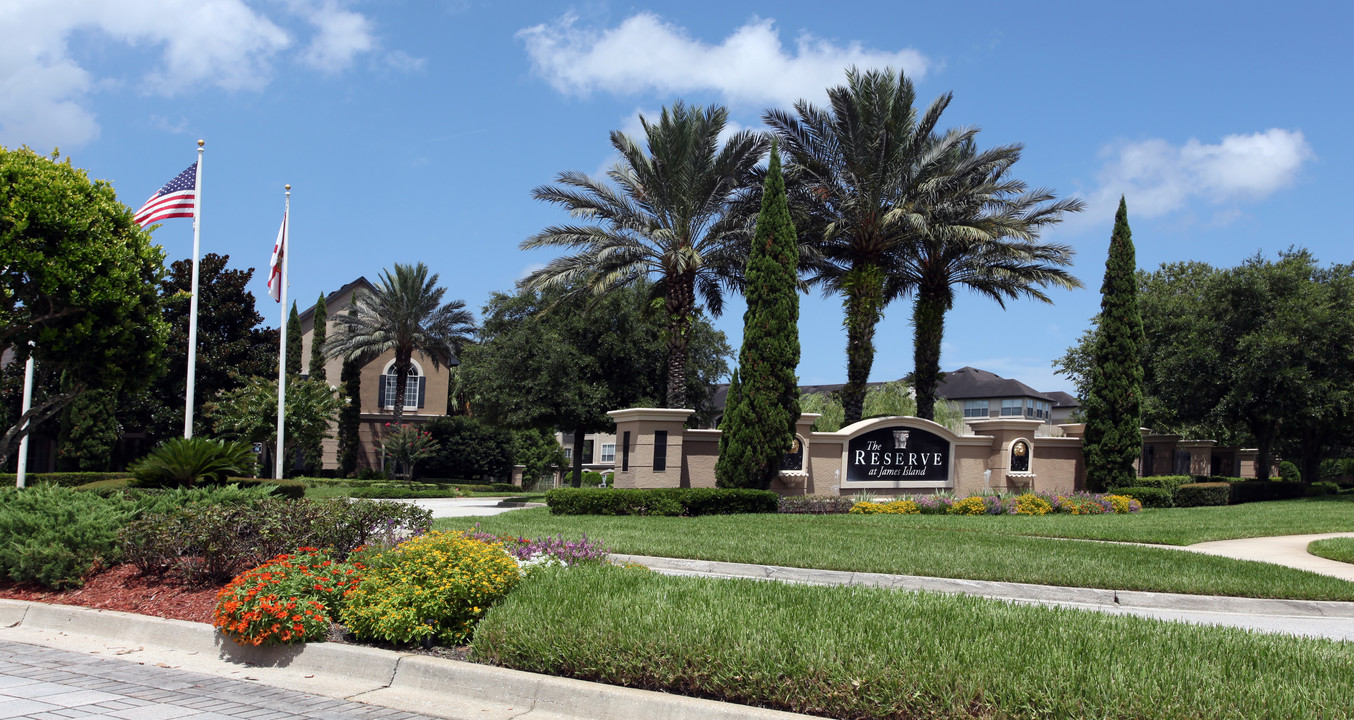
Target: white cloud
{"x": 403, "y": 61}
{"x": 341, "y": 35}
{"x": 45, "y": 93}
{"x": 750, "y": 66}
{"x": 1158, "y": 178}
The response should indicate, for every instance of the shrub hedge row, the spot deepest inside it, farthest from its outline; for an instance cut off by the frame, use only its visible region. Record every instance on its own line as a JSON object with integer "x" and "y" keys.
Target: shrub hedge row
{"x": 1201, "y": 494}
{"x": 1149, "y": 496}
{"x": 63, "y": 479}
{"x": 668, "y": 501}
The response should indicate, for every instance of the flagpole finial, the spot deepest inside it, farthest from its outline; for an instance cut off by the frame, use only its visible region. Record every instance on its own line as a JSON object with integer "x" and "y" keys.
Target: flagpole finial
{"x": 200, "y": 143}
{"x": 287, "y": 187}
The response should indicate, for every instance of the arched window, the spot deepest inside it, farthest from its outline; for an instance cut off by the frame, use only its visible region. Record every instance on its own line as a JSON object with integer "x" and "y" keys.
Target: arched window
{"x": 414, "y": 390}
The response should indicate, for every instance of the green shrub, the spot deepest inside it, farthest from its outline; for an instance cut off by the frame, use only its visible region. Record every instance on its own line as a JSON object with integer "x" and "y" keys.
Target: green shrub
{"x": 55, "y": 536}
{"x": 191, "y": 461}
{"x": 1200, "y": 494}
{"x": 1317, "y": 489}
{"x": 371, "y": 474}
{"x": 289, "y": 488}
{"x": 213, "y": 542}
{"x": 1245, "y": 491}
{"x": 815, "y": 504}
{"x": 64, "y": 479}
{"x": 404, "y": 491}
{"x": 437, "y": 586}
{"x": 1288, "y": 472}
{"x": 1164, "y": 482}
{"x": 1150, "y": 497}
{"x": 667, "y": 501}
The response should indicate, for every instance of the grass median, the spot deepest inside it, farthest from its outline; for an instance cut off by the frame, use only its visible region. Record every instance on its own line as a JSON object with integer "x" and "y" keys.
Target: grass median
{"x": 861, "y": 653}
{"x": 1339, "y": 549}
{"x": 1002, "y": 548}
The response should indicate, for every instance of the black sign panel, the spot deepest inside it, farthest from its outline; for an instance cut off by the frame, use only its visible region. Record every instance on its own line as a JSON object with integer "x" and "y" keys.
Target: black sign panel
{"x": 897, "y": 453}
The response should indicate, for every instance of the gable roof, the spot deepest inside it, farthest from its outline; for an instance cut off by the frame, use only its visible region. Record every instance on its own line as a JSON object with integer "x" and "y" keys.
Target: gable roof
{"x": 361, "y": 282}
{"x": 971, "y": 383}
{"x": 1063, "y": 400}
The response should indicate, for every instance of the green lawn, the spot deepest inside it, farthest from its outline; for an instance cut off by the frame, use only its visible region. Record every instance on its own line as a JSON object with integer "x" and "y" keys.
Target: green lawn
{"x": 1005, "y": 548}
{"x": 870, "y": 653}
{"x": 1341, "y": 549}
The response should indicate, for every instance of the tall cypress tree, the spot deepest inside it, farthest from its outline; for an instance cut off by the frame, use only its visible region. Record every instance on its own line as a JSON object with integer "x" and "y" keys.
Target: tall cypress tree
{"x": 294, "y": 342}
{"x": 759, "y": 422}
{"x": 1113, "y": 438}
{"x": 350, "y": 417}
{"x": 317, "y": 371}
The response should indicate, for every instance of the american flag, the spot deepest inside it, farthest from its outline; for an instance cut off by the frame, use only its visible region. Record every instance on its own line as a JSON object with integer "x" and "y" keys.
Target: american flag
{"x": 175, "y": 200}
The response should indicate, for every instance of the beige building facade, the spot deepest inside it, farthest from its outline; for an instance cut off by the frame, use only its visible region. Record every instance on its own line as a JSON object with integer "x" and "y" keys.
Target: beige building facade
{"x": 425, "y": 397}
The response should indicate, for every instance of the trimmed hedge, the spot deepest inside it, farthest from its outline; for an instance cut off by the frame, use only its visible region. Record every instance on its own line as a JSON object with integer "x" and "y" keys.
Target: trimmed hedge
{"x": 1168, "y": 483}
{"x": 1150, "y": 497}
{"x": 1317, "y": 489}
{"x": 816, "y": 504}
{"x": 396, "y": 492}
{"x": 1245, "y": 491}
{"x": 668, "y": 501}
{"x": 1201, "y": 494}
{"x": 63, "y": 479}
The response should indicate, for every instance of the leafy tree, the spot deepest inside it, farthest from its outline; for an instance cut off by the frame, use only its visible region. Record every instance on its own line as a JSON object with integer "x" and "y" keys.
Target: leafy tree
{"x": 350, "y": 415}
{"x": 232, "y": 346}
{"x": 408, "y": 445}
{"x": 539, "y": 454}
{"x": 293, "y": 342}
{"x": 759, "y": 421}
{"x": 664, "y": 216}
{"x": 249, "y": 414}
{"x": 554, "y": 359}
{"x": 866, "y": 170}
{"x": 883, "y": 400}
{"x": 470, "y": 449}
{"x": 1113, "y": 439}
{"x": 89, "y": 428}
{"x": 317, "y": 333}
{"x": 405, "y": 315}
{"x": 77, "y": 280}
{"x": 984, "y": 237}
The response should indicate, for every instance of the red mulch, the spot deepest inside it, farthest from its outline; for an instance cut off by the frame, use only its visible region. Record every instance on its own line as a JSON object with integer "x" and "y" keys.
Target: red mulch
{"x": 119, "y": 588}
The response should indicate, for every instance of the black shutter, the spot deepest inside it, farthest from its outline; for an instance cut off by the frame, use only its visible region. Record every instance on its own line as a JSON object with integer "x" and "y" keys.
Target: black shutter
{"x": 422, "y": 389}
{"x": 587, "y": 452}
{"x": 625, "y": 451}
{"x": 381, "y": 393}
{"x": 660, "y": 450}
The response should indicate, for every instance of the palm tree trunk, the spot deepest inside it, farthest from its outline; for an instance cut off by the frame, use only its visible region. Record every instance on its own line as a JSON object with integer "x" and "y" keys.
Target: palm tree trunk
{"x": 864, "y": 288}
{"x": 928, "y": 320}
{"x": 680, "y": 303}
{"x": 401, "y": 369}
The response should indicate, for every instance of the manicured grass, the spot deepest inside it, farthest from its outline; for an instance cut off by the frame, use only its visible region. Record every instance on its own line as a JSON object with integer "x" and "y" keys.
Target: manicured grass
{"x": 1341, "y": 549}
{"x": 869, "y": 653}
{"x": 981, "y": 548}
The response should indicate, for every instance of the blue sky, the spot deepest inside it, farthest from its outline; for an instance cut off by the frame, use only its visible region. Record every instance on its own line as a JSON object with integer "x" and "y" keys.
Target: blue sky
{"x": 416, "y": 130}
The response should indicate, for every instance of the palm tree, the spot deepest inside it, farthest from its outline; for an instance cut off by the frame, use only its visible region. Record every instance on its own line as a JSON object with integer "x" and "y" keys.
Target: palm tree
{"x": 981, "y": 232}
{"x": 868, "y": 167}
{"x": 665, "y": 215}
{"x": 404, "y": 314}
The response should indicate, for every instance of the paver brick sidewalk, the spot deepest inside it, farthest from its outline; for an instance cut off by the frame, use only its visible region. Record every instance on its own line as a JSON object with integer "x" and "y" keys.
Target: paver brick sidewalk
{"x": 38, "y": 683}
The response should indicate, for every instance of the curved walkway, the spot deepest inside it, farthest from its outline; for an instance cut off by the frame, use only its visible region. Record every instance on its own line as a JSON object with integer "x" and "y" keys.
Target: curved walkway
{"x": 1289, "y": 550}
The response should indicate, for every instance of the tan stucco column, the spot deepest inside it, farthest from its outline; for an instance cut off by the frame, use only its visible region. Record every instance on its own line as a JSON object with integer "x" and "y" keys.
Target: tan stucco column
{"x": 649, "y": 446}
{"x": 1005, "y": 433}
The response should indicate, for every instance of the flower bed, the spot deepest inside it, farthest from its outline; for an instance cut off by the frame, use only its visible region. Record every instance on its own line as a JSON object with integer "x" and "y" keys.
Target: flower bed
{"x": 1036, "y": 503}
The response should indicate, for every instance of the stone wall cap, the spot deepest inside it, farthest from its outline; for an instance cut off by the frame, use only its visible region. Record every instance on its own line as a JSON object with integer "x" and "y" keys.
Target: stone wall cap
{"x": 651, "y": 414}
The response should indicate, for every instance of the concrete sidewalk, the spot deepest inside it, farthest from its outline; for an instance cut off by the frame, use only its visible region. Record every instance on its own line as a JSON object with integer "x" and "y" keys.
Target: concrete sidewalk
{"x": 1288, "y": 550}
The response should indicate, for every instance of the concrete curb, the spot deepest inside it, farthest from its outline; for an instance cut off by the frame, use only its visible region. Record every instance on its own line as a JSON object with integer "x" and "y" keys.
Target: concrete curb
{"x": 414, "y": 683}
{"x": 1020, "y": 592}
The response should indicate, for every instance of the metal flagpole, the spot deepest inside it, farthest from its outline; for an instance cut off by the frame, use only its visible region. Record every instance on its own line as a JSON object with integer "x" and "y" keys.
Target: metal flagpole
{"x": 27, "y": 404}
{"x": 282, "y": 351}
{"x": 192, "y": 304}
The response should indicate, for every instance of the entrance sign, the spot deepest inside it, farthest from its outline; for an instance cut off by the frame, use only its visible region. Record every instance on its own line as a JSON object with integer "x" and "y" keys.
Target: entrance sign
{"x": 898, "y": 453}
